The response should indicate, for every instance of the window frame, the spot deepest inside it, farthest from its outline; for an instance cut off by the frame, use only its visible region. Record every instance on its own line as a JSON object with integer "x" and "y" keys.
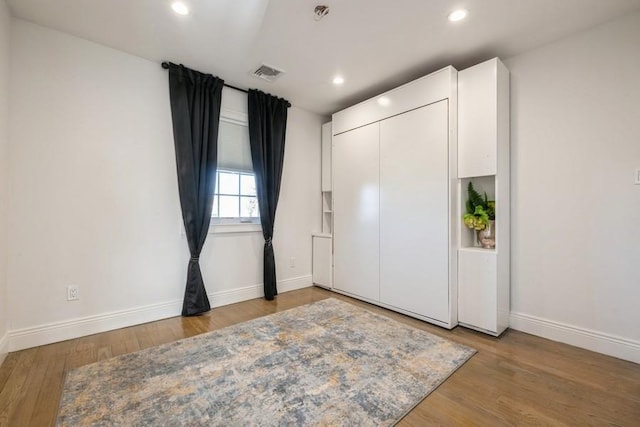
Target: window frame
{"x": 220, "y": 220}
{"x": 234, "y": 224}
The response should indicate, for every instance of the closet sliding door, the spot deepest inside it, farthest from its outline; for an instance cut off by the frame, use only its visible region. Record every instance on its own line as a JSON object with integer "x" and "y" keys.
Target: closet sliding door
{"x": 356, "y": 180}
{"x": 414, "y": 215}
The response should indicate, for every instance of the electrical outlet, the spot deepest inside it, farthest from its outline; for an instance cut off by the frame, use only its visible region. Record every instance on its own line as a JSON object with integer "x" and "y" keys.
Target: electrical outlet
{"x": 292, "y": 262}
{"x": 637, "y": 182}
{"x": 72, "y": 293}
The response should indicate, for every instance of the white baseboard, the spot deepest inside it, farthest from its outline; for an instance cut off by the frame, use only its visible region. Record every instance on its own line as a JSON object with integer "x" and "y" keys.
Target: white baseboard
{"x": 4, "y": 346}
{"x": 73, "y": 328}
{"x": 79, "y": 327}
{"x": 611, "y": 345}
{"x": 296, "y": 283}
{"x": 218, "y": 299}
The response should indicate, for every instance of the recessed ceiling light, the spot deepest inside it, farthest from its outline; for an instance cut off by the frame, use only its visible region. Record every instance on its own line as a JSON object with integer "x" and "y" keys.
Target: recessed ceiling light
{"x": 338, "y": 80}
{"x": 458, "y": 15}
{"x": 180, "y": 8}
{"x": 384, "y": 101}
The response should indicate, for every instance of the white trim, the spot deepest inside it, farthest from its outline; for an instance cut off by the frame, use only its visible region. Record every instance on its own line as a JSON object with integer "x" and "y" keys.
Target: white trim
{"x": 235, "y": 117}
{"x": 323, "y": 235}
{"x": 240, "y": 227}
{"x": 79, "y": 327}
{"x": 600, "y": 342}
{"x": 257, "y": 291}
{"x": 292, "y": 284}
{"x": 4, "y": 346}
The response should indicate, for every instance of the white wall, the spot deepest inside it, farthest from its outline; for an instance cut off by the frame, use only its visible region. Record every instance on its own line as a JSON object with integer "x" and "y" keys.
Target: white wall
{"x": 94, "y": 198}
{"x": 4, "y": 148}
{"x": 575, "y": 230}
{"x": 226, "y": 258}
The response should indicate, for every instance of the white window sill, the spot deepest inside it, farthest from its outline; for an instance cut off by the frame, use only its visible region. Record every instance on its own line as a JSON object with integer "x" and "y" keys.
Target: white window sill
{"x": 235, "y": 228}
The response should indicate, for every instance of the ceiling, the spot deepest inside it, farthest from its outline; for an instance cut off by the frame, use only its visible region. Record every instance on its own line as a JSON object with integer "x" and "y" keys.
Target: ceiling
{"x": 374, "y": 44}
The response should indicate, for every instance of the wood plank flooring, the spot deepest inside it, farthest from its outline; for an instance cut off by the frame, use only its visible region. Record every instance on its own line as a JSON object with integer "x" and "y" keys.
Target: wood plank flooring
{"x": 517, "y": 379}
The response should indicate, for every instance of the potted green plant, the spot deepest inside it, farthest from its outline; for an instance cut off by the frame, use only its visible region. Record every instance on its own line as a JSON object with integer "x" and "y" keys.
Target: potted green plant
{"x": 480, "y": 217}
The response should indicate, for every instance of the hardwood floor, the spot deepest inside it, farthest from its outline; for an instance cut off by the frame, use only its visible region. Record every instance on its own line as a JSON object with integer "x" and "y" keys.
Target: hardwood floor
{"x": 517, "y": 379}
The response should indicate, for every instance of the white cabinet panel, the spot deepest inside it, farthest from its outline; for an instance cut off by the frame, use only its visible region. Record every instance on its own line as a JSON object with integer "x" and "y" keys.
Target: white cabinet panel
{"x": 356, "y": 164}
{"x": 326, "y": 157}
{"x": 477, "y": 291}
{"x": 426, "y": 90}
{"x": 321, "y": 268}
{"x": 478, "y": 119}
{"x": 414, "y": 214}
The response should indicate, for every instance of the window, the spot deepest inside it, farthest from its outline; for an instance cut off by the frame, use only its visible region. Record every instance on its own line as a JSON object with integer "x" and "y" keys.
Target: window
{"x": 235, "y": 204}
{"x": 235, "y": 198}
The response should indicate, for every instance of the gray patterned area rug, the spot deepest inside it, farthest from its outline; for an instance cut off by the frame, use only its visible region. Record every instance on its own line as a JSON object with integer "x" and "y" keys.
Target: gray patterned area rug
{"x": 326, "y": 363}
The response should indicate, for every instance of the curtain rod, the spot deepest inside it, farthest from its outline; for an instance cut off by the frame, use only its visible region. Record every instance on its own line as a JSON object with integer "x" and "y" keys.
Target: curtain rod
{"x": 165, "y": 65}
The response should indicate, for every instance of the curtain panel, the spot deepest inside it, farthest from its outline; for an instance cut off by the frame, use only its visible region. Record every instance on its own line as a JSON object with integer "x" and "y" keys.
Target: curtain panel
{"x": 267, "y": 128}
{"x": 195, "y": 110}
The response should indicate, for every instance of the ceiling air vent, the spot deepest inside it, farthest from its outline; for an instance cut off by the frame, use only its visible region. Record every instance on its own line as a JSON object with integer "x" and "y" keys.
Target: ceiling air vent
{"x": 268, "y": 73}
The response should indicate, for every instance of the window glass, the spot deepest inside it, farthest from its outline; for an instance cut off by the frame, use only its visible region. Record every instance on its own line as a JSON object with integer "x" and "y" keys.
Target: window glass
{"x": 248, "y": 185}
{"x": 229, "y": 182}
{"x": 229, "y": 206}
{"x": 249, "y": 207}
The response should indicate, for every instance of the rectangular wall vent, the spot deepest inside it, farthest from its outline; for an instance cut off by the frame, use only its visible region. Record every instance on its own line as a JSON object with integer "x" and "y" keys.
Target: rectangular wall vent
{"x": 267, "y": 72}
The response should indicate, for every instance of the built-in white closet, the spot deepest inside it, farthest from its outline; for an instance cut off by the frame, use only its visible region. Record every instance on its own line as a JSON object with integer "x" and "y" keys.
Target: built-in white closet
{"x": 483, "y": 144}
{"x": 394, "y": 161}
{"x": 399, "y": 177}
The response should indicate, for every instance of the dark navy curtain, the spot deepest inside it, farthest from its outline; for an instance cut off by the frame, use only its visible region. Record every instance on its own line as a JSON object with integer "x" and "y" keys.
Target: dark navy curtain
{"x": 267, "y": 128}
{"x": 195, "y": 110}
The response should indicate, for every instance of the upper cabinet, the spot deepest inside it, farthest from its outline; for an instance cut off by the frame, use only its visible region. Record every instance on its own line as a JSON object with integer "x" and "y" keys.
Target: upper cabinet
{"x": 483, "y": 114}
{"x": 418, "y": 93}
{"x": 326, "y": 156}
{"x": 327, "y": 176}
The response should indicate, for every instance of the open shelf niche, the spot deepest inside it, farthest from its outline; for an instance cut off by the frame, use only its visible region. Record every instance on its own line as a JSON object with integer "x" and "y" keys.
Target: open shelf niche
{"x": 481, "y": 184}
{"x": 327, "y": 212}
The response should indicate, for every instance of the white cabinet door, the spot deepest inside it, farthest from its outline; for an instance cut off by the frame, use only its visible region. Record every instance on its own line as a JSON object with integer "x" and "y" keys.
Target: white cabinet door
{"x": 414, "y": 215}
{"x": 477, "y": 291}
{"x": 356, "y": 249}
{"x": 321, "y": 268}
{"x": 477, "y": 120}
